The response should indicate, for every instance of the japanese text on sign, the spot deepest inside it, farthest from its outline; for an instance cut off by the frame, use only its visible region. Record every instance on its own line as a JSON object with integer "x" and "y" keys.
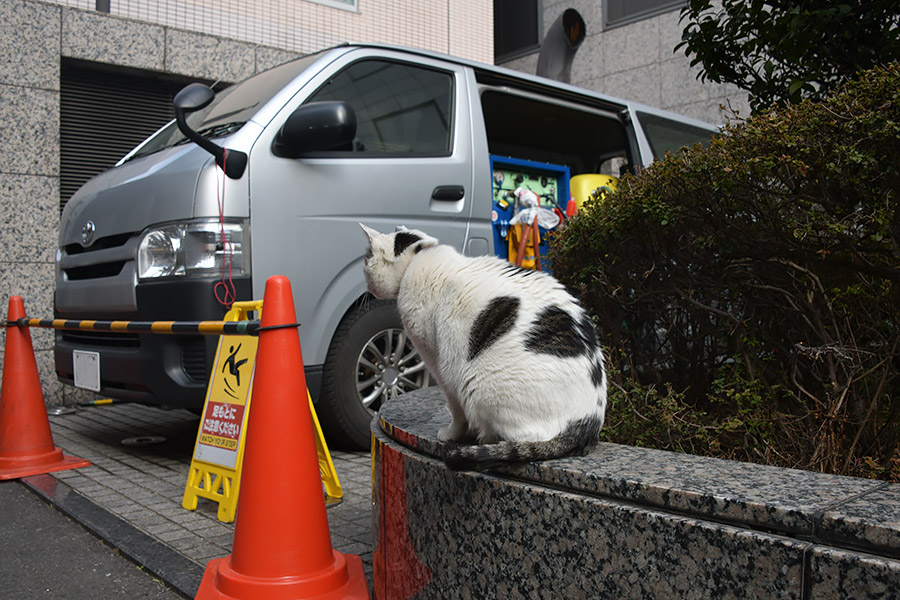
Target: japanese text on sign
{"x": 222, "y": 420}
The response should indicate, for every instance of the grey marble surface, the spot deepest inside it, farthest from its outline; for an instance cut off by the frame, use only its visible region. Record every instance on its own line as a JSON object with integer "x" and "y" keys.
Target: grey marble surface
{"x": 837, "y": 574}
{"x": 100, "y": 37}
{"x": 30, "y": 131}
{"x": 857, "y": 513}
{"x": 474, "y": 535}
{"x": 29, "y": 235}
{"x": 29, "y": 54}
{"x": 208, "y": 56}
{"x": 873, "y": 518}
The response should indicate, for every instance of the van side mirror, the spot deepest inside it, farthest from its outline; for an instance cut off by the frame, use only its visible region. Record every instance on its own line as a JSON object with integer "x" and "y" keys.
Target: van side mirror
{"x": 316, "y": 127}
{"x": 194, "y": 97}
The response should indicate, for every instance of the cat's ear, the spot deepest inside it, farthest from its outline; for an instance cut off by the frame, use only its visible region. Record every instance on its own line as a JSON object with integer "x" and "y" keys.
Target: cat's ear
{"x": 411, "y": 238}
{"x": 400, "y": 228}
{"x": 426, "y": 242}
{"x": 371, "y": 234}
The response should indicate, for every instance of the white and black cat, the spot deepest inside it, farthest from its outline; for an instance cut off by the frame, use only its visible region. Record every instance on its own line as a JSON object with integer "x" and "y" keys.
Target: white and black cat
{"x": 514, "y": 353}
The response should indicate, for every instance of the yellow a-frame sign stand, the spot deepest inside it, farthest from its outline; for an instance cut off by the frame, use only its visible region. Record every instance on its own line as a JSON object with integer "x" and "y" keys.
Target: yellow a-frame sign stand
{"x": 218, "y": 452}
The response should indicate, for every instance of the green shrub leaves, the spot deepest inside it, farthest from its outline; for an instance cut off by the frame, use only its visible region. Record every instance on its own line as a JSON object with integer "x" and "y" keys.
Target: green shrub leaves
{"x": 755, "y": 284}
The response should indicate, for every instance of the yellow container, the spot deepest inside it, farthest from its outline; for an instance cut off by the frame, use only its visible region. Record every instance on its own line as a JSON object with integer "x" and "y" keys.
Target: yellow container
{"x": 583, "y": 187}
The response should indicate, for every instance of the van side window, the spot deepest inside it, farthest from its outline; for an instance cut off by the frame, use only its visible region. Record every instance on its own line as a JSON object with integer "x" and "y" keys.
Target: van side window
{"x": 665, "y": 135}
{"x": 401, "y": 109}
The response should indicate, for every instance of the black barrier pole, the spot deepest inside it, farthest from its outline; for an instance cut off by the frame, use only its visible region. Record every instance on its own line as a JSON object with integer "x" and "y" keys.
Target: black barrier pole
{"x": 165, "y": 327}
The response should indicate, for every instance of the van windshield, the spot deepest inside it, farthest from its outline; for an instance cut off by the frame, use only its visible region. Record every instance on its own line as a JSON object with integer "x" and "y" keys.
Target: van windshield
{"x": 665, "y": 135}
{"x": 232, "y": 107}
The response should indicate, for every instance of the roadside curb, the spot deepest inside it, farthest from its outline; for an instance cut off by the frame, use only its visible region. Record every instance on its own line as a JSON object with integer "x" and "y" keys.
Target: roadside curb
{"x": 177, "y": 571}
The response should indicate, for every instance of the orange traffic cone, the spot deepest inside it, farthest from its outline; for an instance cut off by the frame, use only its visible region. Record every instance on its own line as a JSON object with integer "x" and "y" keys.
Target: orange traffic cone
{"x": 26, "y": 443}
{"x": 282, "y": 546}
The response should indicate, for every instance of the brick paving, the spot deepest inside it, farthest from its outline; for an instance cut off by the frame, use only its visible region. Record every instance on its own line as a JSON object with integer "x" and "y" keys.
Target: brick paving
{"x": 142, "y": 482}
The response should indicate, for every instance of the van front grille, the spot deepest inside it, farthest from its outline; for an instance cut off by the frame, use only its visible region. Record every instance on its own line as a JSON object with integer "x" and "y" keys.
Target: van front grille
{"x": 110, "y": 241}
{"x": 101, "y": 338}
{"x": 98, "y": 271}
{"x": 193, "y": 358}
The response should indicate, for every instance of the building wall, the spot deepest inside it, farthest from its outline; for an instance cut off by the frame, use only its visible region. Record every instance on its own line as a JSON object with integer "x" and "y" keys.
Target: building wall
{"x": 209, "y": 39}
{"x": 638, "y": 62}
{"x": 459, "y": 27}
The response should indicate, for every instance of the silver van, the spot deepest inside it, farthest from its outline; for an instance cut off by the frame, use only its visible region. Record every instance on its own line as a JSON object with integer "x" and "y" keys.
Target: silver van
{"x": 357, "y": 133}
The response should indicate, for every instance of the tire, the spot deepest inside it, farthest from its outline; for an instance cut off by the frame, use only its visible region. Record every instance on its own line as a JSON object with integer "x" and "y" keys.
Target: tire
{"x": 364, "y": 368}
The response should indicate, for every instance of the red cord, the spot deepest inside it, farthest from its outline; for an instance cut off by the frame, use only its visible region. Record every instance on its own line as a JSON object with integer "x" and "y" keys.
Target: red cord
{"x": 228, "y": 293}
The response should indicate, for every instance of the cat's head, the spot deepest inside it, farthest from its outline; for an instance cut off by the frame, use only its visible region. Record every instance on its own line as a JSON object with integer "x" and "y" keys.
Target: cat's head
{"x": 388, "y": 257}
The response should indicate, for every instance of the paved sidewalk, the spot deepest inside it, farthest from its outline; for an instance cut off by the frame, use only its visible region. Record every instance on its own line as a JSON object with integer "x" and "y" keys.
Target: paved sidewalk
{"x": 131, "y": 495}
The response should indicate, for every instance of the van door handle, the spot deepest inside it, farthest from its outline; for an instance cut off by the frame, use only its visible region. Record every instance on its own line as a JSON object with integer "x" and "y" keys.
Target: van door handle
{"x": 451, "y": 193}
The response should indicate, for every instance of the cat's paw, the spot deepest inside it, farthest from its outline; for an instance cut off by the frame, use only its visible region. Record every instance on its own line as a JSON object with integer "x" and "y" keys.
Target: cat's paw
{"x": 449, "y": 434}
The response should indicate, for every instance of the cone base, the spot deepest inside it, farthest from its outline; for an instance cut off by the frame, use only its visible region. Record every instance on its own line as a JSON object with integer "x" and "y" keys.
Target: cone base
{"x": 345, "y": 580}
{"x": 26, "y": 466}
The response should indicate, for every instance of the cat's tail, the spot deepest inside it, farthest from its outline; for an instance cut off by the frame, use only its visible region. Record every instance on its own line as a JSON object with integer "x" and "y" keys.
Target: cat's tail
{"x": 578, "y": 439}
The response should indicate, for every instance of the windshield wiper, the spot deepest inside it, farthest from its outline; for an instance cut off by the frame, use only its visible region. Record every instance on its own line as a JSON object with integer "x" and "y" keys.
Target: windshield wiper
{"x": 213, "y": 131}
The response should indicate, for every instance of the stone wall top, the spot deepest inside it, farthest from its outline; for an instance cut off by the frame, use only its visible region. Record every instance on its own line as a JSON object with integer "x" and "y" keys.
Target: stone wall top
{"x": 855, "y": 513}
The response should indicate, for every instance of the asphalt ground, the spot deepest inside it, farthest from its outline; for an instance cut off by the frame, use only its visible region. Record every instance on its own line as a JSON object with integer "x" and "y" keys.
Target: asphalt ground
{"x": 126, "y": 508}
{"x": 46, "y": 555}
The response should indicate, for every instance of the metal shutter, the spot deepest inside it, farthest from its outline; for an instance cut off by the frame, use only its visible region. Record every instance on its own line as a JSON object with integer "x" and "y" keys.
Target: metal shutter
{"x": 103, "y": 115}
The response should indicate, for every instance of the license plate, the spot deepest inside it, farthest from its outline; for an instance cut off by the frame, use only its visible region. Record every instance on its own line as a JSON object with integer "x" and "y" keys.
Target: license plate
{"x": 87, "y": 369}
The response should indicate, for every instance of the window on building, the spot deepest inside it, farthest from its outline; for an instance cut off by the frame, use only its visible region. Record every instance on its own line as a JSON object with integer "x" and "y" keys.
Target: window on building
{"x": 622, "y": 12}
{"x": 345, "y": 4}
{"x": 400, "y": 108}
{"x": 517, "y": 28}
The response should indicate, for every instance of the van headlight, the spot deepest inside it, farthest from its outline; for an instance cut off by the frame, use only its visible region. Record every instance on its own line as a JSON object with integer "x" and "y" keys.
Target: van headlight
{"x": 194, "y": 249}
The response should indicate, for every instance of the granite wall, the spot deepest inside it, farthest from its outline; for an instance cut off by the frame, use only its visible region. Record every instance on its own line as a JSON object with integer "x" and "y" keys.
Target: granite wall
{"x": 622, "y": 522}
{"x": 34, "y": 38}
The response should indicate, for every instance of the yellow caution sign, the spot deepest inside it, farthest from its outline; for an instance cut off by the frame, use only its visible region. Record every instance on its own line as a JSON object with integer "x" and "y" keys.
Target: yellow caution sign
{"x": 218, "y": 452}
{"x": 333, "y": 491}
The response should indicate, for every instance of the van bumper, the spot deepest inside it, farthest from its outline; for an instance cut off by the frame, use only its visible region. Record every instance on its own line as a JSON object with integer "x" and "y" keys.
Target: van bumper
{"x": 160, "y": 369}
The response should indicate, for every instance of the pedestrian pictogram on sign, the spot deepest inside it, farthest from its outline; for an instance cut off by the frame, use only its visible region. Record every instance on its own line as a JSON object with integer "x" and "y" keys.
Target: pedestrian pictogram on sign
{"x": 215, "y": 468}
{"x": 226, "y": 401}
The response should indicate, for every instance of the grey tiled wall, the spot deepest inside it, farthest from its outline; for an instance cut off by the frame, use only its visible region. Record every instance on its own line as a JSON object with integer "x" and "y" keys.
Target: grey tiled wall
{"x": 638, "y": 62}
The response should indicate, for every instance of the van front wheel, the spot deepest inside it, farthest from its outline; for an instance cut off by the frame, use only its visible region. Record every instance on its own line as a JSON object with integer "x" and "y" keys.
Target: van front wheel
{"x": 370, "y": 360}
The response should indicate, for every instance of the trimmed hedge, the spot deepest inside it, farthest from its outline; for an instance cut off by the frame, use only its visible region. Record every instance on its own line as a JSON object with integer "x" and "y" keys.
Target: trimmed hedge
{"x": 749, "y": 291}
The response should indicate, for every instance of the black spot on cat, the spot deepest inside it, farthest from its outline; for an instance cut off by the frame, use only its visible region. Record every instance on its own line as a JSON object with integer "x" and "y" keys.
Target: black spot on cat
{"x": 495, "y": 320}
{"x": 404, "y": 240}
{"x": 512, "y": 269}
{"x": 598, "y": 375}
{"x": 556, "y": 332}
{"x": 587, "y": 331}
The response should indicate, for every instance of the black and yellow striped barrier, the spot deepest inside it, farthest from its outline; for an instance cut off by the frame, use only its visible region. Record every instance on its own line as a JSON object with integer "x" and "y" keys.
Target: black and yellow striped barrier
{"x": 172, "y": 327}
